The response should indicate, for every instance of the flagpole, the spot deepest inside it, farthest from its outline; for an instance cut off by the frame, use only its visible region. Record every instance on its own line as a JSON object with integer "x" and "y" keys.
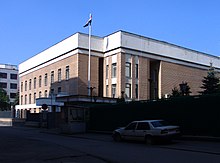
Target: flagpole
{"x": 89, "y": 60}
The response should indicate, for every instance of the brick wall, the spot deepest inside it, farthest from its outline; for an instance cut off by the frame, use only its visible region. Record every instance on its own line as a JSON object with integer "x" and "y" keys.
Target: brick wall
{"x": 172, "y": 75}
{"x": 76, "y": 84}
{"x": 144, "y": 75}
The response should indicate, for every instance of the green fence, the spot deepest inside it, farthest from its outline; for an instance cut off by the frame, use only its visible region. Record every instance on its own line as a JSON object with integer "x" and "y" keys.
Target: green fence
{"x": 196, "y": 115}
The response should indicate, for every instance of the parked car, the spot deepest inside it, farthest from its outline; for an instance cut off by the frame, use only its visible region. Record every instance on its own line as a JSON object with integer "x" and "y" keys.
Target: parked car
{"x": 146, "y": 130}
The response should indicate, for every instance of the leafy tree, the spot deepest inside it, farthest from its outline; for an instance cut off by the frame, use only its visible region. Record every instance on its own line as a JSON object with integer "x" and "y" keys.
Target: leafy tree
{"x": 4, "y": 100}
{"x": 210, "y": 83}
{"x": 16, "y": 102}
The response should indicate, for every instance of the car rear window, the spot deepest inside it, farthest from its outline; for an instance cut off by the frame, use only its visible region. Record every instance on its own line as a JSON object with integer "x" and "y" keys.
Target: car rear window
{"x": 159, "y": 123}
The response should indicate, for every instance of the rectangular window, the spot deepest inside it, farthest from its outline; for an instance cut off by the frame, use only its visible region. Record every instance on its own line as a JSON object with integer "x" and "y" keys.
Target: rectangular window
{"x": 13, "y": 86}
{"x": 136, "y": 90}
{"x": 30, "y": 84}
{"x": 21, "y": 100}
{"x": 107, "y": 90}
{"x": 114, "y": 70}
{"x": 40, "y": 80}
{"x": 45, "y": 93}
{"x": 25, "y": 86}
{"x": 34, "y": 97}
{"x": 128, "y": 90}
{"x": 12, "y": 95}
{"x": 21, "y": 86}
{"x": 14, "y": 76}
{"x": 52, "y": 77}
{"x": 113, "y": 90}
{"x": 3, "y": 85}
{"x": 59, "y": 75}
{"x": 45, "y": 80}
{"x": 67, "y": 72}
{"x": 35, "y": 82}
{"x": 29, "y": 98}
{"x": 107, "y": 69}
{"x": 136, "y": 70}
{"x": 128, "y": 70}
{"x": 3, "y": 75}
{"x": 25, "y": 99}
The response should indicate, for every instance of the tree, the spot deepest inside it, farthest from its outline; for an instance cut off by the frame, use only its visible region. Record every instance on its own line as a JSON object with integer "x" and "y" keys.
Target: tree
{"x": 4, "y": 100}
{"x": 184, "y": 90}
{"x": 16, "y": 101}
{"x": 175, "y": 92}
{"x": 210, "y": 83}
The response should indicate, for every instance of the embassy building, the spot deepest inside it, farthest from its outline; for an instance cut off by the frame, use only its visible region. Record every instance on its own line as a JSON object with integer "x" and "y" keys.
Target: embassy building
{"x": 141, "y": 67}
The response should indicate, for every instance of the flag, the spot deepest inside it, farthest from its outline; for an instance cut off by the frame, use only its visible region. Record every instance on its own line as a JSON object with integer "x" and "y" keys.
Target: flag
{"x": 89, "y": 21}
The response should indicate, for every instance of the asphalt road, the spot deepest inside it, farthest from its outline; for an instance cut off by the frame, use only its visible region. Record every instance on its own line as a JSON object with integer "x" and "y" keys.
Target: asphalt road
{"x": 22, "y": 144}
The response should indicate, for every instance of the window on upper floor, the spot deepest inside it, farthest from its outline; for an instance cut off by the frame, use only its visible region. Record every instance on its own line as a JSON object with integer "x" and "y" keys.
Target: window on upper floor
{"x": 52, "y": 77}
{"x": 40, "y": 80}
{"x": 128, "y": 70}
{"x": 114, "y": 70}
{"x": 136, "y": 70}
{"x": 21, "y": 100}
{"x": 21, "y": 86}
{"x": 3, "y": 85}
{"x": 3, "y": 75}
{"x": 107, "y": 69}
{"x": 34, "y": 97}
{"x": 13, "y": 86}
{"x": 59, "y": 75}
{"x": 12, "y": 95}
{"x": 67, "y": 72}
{"x": 30, "y": 84}
{"x": 45, "y": 79}
{"x": 14, "y": 76}
{"x": 25, "y": 99}
{"x": 35, "y": 82}
{"x": 29, "y": 98}
{"x": 25, "y": 86}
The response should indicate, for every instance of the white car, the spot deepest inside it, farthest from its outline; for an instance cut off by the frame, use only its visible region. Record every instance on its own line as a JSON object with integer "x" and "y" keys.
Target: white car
{"x": 146, "y": 130}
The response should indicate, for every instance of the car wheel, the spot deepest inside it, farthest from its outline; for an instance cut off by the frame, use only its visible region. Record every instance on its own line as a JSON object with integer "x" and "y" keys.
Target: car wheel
{"x": 149, "y": 140}
{"x": 117, "y": 137}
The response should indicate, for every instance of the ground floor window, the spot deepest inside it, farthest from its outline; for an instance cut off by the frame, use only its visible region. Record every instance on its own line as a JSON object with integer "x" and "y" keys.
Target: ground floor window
{"x": 113, "y": 90}
{"x": 128, "y": 90}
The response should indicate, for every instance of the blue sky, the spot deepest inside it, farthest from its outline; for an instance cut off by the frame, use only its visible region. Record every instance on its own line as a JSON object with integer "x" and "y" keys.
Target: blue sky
{"x": 27, "y": 27}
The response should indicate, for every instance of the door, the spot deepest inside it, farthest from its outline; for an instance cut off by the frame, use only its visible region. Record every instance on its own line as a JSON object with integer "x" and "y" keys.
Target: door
{"x": 129, "y": 131}
{"x": 141, "y": 130}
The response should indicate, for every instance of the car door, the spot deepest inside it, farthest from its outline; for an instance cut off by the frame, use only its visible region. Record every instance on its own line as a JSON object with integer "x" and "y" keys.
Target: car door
{"x": 141, "y": 130}
{"x": 129, "y": 131}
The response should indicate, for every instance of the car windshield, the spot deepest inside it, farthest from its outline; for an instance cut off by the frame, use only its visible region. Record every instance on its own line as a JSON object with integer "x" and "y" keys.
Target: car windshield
{"x": 159, "y": 123}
